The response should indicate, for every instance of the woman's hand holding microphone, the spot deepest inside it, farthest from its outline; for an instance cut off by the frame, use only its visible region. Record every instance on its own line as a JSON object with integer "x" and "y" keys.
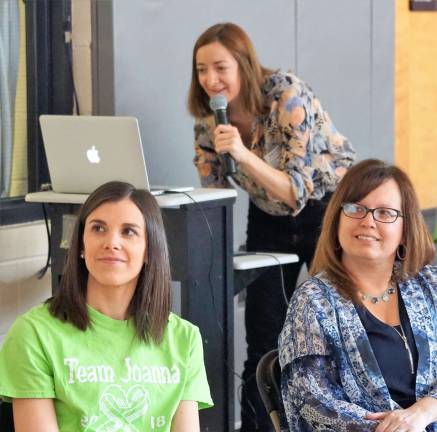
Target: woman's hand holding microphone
{"x": 227, "y": 139}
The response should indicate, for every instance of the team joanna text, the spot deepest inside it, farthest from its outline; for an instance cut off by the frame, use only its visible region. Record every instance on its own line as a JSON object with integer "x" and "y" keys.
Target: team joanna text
{"x": 78, "y": 373}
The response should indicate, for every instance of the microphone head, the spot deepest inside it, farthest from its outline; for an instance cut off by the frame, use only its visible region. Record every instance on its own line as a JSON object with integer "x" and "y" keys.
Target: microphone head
{"x": 218, "y": 102}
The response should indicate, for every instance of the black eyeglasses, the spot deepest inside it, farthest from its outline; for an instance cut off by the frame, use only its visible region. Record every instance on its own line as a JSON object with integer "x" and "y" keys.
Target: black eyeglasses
{"x": 380, "y": 214}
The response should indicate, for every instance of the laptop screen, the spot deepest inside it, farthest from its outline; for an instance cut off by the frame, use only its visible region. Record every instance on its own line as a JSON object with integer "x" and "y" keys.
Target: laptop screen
{"x": 83, "y": 152}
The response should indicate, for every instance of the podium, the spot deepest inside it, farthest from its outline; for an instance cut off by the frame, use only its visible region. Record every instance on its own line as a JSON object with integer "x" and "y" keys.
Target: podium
{"x": 199, "y": 230}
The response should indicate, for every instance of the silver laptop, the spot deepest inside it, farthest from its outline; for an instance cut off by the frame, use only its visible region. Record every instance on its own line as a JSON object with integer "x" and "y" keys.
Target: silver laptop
{"x": 83, "y": 152}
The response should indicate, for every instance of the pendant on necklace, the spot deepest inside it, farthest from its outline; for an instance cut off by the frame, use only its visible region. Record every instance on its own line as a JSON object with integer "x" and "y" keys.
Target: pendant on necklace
{"x": 385, "y": 296}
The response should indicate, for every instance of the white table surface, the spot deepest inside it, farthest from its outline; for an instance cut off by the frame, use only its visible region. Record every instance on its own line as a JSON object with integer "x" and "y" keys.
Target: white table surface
{"x": 260, "y": 259}
{"x": 165, "y": 200}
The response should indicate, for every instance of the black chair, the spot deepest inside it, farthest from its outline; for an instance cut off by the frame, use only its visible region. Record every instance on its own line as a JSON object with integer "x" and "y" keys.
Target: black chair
{"x": 6, "y": 419}
{"x": 268, "y": 379}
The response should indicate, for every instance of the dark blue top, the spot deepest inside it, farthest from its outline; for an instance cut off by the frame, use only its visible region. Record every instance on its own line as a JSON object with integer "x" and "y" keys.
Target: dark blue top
{"x": 391, "y": 355}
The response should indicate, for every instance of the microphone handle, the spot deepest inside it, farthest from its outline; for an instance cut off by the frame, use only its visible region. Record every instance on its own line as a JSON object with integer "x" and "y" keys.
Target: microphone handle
{"x": 222, "y": 118}
{"x": 229, "y": 164}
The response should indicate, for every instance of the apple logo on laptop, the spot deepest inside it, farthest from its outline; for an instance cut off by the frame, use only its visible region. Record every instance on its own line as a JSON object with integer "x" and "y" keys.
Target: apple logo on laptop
{"x": 93, "y": 155}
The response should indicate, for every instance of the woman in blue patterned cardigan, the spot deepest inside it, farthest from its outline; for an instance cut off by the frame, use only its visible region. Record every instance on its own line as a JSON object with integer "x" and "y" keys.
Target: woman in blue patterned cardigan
{"x": 358, "y": 350}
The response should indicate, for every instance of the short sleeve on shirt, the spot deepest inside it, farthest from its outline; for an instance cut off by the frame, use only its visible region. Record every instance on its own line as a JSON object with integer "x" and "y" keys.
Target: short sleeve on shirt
{"x": 24, "y": 369}
{"x": 197, "y": 388}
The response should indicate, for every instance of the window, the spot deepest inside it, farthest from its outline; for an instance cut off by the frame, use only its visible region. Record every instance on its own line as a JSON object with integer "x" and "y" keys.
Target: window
{"x": 45, "y": 25}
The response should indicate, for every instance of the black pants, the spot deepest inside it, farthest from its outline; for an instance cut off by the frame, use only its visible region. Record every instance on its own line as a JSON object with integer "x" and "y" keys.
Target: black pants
{"x": 265, "y": 304}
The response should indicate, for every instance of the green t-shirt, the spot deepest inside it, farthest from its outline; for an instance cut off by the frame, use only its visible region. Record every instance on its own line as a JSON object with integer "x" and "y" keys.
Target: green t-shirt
{"x": 104, "y": 378}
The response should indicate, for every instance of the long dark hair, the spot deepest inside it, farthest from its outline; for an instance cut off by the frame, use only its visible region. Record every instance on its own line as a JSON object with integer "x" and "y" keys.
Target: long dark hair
{"x": 151, "y": 303}
{"x": 252, "y": 73}
{"x": 358, "y": 182}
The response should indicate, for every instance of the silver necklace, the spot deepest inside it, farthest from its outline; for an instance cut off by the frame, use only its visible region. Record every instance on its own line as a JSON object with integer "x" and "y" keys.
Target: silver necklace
{"x": 376, "y": 299}
{"x": 407, "y": 346}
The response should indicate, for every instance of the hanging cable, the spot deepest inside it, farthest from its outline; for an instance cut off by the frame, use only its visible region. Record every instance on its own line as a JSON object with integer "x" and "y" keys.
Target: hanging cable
{"x": 43, "y": 271}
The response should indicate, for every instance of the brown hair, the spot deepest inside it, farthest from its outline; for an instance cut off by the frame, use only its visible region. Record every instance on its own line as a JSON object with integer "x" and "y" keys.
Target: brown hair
{"x": 150, "y": 304}
{"x": 252, "y": 73}
{"x": 358, "y": 182}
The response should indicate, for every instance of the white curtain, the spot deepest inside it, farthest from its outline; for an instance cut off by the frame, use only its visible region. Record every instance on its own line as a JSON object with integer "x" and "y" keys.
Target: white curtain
{"x": 9, "y": 57}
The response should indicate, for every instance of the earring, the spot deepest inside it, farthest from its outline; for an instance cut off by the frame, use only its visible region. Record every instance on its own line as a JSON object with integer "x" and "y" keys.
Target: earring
{"x": 82, "y": 255}
{"x": 401, "y": 252}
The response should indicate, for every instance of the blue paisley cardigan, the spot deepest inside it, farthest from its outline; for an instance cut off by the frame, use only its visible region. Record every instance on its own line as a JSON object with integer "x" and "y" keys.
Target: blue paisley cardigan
{"x": 310, "y": 153}
{"x": 330, "y": 377}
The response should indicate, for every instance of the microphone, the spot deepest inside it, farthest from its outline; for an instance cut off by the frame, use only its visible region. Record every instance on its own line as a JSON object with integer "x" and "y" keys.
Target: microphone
{"x": 218, "y": 104}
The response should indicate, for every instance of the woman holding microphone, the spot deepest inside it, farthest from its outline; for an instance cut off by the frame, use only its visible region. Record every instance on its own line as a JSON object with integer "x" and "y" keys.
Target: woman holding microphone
{"x": 289, "y": 158}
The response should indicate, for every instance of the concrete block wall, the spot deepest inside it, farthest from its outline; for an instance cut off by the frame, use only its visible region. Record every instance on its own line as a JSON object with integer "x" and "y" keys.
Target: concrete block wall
{"x": 23, "y": 252}
{"x": 17, "y": 297}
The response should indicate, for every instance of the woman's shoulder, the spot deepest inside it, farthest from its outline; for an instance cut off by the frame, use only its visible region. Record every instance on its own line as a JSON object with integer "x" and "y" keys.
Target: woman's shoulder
{"x": 181, "y": 328}
{"x": 314, "y": 290}
{"x": 38, "y": 314}
{"x": 279, "y": 82}
{"x": 428, "y": 273}
{"x": 32, "y": 321}
{"x": 318, "y": 298}
{"x": 181, "y": 336}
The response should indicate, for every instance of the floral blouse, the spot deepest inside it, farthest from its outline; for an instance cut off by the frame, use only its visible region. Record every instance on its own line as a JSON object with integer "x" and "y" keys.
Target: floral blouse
{"x": 309, "y": 152}
{"x": 330, "y": 376}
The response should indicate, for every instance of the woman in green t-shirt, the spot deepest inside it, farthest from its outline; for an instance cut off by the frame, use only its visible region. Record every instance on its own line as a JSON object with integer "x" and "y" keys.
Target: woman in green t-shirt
{"x": 105, "y": 353}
